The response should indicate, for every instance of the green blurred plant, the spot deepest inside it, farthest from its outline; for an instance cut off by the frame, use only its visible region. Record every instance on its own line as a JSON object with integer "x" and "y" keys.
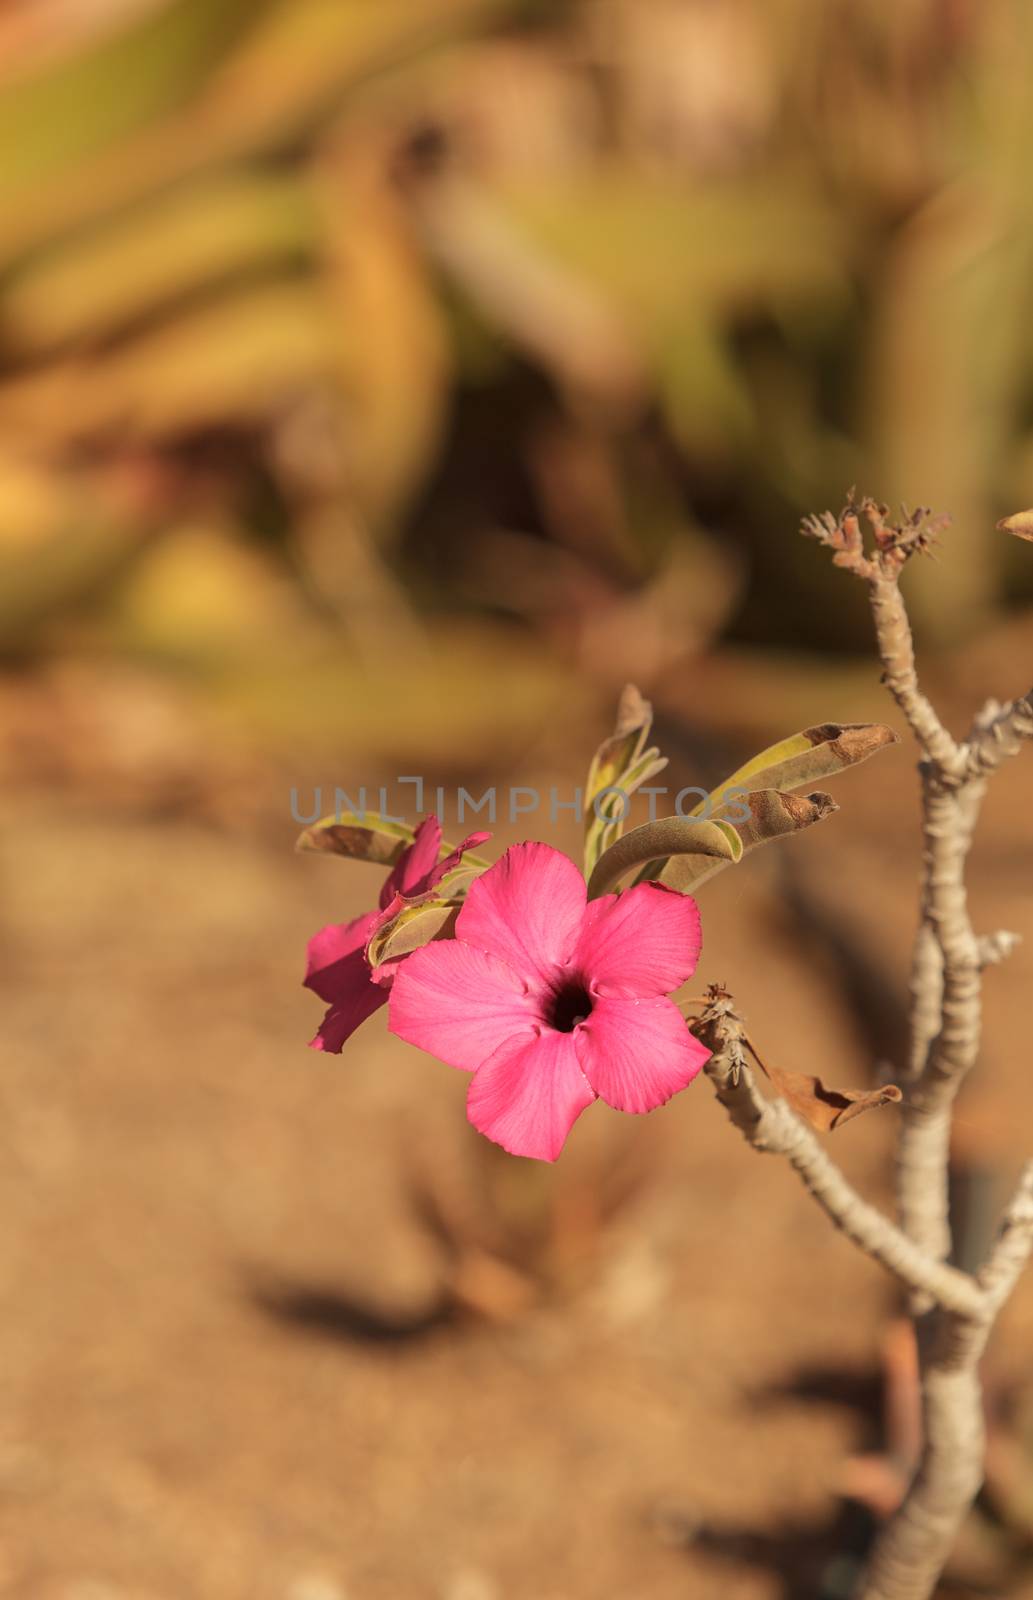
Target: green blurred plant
{"x": 286, "y": 257}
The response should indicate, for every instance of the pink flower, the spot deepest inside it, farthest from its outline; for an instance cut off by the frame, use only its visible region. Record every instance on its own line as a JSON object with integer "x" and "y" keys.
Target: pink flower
{"x": 552, "y": 1001}
{"x": 337, "y": 967}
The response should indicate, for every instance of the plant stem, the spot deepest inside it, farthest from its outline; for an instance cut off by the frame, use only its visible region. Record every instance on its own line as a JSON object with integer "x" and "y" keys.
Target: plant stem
{"x": 946, "y": 1021}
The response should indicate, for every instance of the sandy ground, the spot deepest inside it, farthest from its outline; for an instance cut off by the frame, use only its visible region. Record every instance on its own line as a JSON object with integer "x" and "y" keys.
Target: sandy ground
{"x": 225, "y": 1373}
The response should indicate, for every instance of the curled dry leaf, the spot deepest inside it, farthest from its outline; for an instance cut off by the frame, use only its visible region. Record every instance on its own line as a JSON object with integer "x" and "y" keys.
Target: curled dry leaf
{"x": 369, "y": 837}
{"x": 805, "y": 757}
{"x": 808, "y": 757}
{"x": 772, "y": 815}
{"x": 821, "y": 1107}
{"x": 1020, "y": 524}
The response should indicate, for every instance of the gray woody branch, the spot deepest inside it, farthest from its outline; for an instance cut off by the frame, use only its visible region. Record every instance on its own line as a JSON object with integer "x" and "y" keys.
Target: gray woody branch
{"x": 946, "y": 1025}
{"x": 772, "y": 1127}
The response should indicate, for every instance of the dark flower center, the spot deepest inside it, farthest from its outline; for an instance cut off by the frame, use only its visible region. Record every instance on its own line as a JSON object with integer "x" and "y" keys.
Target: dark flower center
{"x": 568, "y": 1005}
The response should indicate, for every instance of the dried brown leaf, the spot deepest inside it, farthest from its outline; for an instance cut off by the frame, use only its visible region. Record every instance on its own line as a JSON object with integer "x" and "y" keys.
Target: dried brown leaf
{"x": 824, "y": 1108}
{"x": 1020, "y": 524}
{"x": 370, "y": 837}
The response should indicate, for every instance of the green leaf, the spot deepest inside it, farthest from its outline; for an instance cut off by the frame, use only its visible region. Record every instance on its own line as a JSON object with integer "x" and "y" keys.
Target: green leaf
{"x": 177, "y": 244}
{"x": 807, "y": 757}
{"x": 814, "y": 753}
{"x": 293, "y": 66}
{"x": 622, "y": 764}
{"x": 92, "y": 98}
{"x": 665, "y": 839}
{"x": 768, "y": 243}
{"x": 773, "y": 815}
{"x": 361, "y": 837}
{"x": 218, "y": 364}
{"x": 367, "y": 836}
{"x": 624, "y": 745}
{"x": 411, "y": 927}
{"x": 605, "y": 826}
{"x": 61, "y": 573}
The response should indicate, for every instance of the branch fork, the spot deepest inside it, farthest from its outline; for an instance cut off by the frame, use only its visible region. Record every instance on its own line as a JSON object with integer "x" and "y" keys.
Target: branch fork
{"x": 772, "y": 1127}
{"x": 953, "y": 1311}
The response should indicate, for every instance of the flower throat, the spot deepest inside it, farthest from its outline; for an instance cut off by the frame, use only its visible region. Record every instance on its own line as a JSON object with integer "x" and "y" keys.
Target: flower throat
{"x": 568, "y": 1005}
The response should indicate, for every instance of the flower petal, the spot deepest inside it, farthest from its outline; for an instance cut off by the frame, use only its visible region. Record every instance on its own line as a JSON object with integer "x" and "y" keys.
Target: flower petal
{"x": 330, "y": 970}
{"x": 415, "y": 863}
{"x": 471, "y": 842}
{"x": 641, "y": 943}
{"x": 339, "y": 973}
{"x": 527, "y": 909}
{"x": 528, "y": 1095}
{"x": 342, "y": 1019}
{"x": 637, "y": 1053}
{"x": 459, "y": 1004}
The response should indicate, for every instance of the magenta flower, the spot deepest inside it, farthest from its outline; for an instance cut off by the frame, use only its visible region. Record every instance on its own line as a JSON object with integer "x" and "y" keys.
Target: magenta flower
{"x": 552, "y": 1001}
{"x": 337, "y": 967}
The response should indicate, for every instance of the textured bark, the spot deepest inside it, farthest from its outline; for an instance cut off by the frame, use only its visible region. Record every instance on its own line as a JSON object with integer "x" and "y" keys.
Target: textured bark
{"x": 915, "y": 1544}
{"x": 946, "y": 1022}
{"x": 898, "y": 665}
{"x": 946, "y": 1029}
{"x": 772, "y": 1127}
{"x": 946, "y": 1009}
{"x": 910, "y": 1555}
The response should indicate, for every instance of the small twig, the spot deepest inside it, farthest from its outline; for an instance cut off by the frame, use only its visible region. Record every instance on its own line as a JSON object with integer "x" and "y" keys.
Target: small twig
{"x": 901, "y": 679}
{"x": 770, "y": 1126}
{"x": 993, "y": 948}
{"x": 894, "y": 545}
{"x": 948, "y": 997}
{"x": 999, "y": 733}
{"x": 1013, "y": 1246}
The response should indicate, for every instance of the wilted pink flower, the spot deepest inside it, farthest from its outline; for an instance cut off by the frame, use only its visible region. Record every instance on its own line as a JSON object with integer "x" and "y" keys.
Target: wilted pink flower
{"x": 552, "y": 1001}
{"x": 337, "y": 967}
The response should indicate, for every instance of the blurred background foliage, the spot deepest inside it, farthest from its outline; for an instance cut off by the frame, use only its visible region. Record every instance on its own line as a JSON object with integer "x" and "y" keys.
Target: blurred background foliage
{"x": 415, "y": 354}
